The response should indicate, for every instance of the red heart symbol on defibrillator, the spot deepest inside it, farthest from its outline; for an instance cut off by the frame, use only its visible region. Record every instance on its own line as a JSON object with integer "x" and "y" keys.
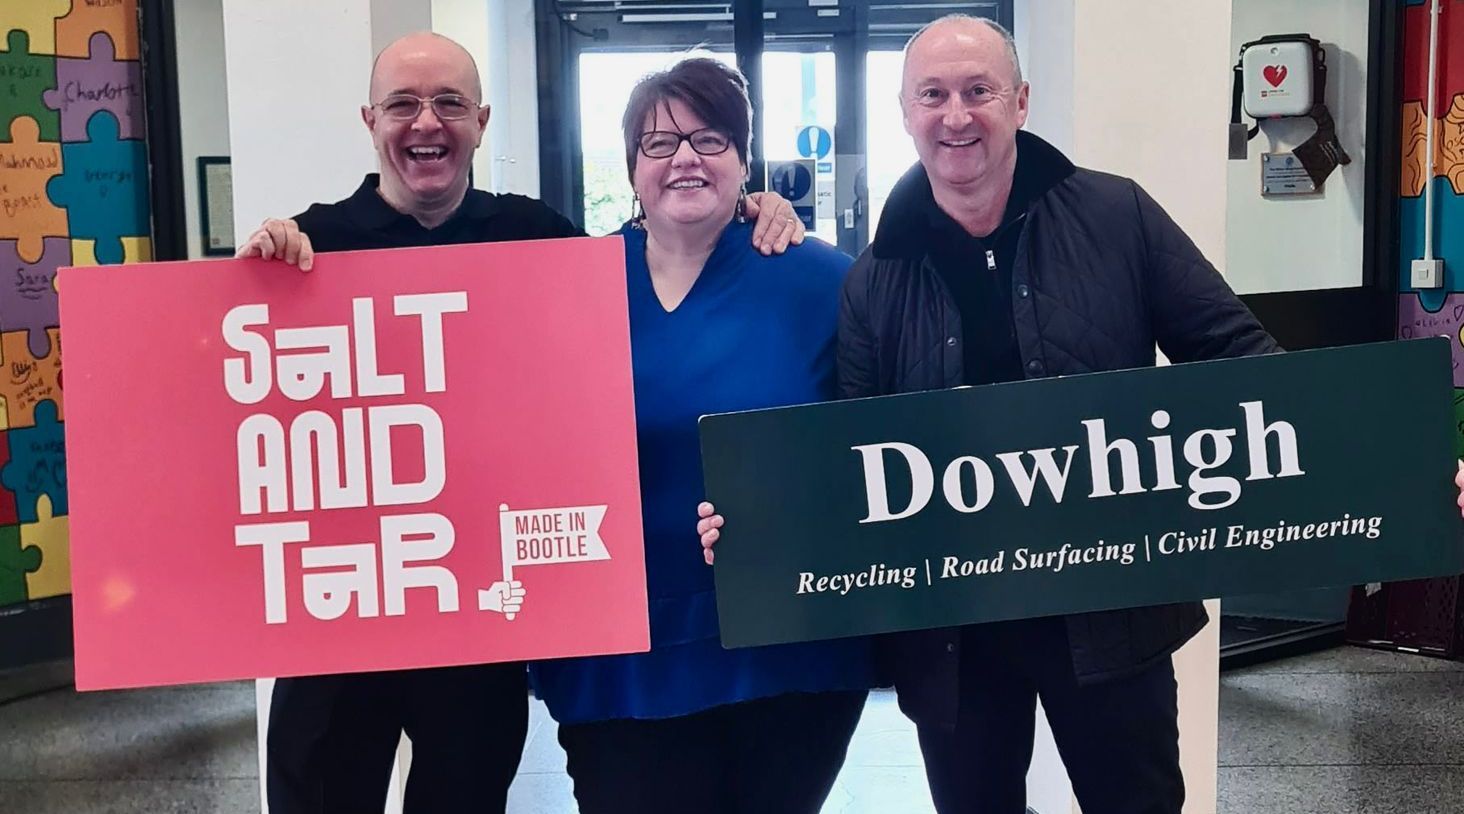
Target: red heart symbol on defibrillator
{"x": 1275, "y": 74}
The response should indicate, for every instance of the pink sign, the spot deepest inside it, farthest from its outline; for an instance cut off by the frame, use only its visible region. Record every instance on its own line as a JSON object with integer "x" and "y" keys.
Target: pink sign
{"x": 406, "y": 458}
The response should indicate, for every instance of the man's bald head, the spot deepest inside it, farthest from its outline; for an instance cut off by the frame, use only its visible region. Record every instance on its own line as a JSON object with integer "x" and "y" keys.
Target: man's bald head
{"x": 432, "y": 51}
{"x": 976, "y": 26}
{"x": 425, "y": 151}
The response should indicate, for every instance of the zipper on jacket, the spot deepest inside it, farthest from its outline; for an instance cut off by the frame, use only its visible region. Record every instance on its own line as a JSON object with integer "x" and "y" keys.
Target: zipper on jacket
{"x": 994, "y": 238}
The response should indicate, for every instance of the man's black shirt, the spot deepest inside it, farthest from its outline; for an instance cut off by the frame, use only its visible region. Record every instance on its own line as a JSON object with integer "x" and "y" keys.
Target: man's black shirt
{"x": 475, "y": 712}
{"x": 366, "y": 221}
{"x": 983, "y": 295}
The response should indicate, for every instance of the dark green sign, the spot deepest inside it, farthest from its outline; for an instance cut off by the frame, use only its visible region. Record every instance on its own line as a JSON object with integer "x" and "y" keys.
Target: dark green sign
{"x": 1082, "y": 493}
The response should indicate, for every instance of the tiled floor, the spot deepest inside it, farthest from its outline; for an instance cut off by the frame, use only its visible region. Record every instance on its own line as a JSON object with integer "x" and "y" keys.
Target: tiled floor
{"x": 1348, "y": 731}
{"x": 1343, "y": 732}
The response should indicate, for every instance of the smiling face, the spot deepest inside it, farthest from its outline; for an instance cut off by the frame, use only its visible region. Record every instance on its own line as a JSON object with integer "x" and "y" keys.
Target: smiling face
{"x": 688, "y": 188}
{"x": 963, "y": 103}
{"x": 424, "y": 161}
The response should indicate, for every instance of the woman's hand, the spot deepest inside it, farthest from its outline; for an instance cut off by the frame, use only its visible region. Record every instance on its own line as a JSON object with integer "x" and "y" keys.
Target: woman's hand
{"x": 1458, "y": 481}
{"x": 710, "y": 522}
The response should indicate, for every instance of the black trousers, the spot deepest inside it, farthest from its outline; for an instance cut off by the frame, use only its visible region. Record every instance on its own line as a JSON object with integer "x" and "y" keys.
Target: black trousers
{"x": 776, "y": 755}
{"x": 1119, "y": 739}
{"x": 332, "y": 739}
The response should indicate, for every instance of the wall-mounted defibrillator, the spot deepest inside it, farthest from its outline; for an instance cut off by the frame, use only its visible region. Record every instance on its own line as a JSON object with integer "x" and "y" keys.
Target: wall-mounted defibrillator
{"x": 1285, "y": 75}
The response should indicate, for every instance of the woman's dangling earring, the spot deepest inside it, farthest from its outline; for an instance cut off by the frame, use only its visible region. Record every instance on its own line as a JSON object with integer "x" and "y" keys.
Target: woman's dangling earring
{"x": 741, "y": 211}
{"x": 637, "y": 212}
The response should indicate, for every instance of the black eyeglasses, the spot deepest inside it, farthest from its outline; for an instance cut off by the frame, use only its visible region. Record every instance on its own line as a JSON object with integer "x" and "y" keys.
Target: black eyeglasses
{"x": 664, "y": 143}
{"x": 446, "y": 106}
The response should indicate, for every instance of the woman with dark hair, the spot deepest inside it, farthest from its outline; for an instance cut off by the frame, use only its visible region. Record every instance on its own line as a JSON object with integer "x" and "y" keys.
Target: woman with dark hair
{"x": 715, "y": 326}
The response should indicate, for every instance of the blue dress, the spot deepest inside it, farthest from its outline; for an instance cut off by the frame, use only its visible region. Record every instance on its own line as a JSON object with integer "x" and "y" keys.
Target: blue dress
{"x": 752, "y": 332}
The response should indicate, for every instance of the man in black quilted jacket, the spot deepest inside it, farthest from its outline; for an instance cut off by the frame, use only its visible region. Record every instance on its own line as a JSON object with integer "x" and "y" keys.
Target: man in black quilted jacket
{"x": 997, "y": 260}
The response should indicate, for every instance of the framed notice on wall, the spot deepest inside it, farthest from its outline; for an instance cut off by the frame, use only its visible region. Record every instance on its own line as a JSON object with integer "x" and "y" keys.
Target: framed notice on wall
{"x": 216, "y": 206}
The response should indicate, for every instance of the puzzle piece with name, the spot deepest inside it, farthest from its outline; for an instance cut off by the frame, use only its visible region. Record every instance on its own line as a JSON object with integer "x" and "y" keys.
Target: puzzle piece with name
{"x": 37, "y": 464}
{"x": 38, "y": 19}
{"x": 1415, "y": 157}
{"x": 1450, "y": 140}
{"x": 1416, "y": 321}
{"x": 50, "y": 537}
{"x": 103, "y": 188}
{"x": 25, "y": 78}
{"x": 116, "y": 17}
{"x": 134, "y": 250}
{"x": 28, "y": 291}
{"x": 16, "y": 564}
{"x": 1448, "y": 147}
{"x": 99, "y": 82}
{"x": 27, "y": 380}
{"x": 27, "y": 166}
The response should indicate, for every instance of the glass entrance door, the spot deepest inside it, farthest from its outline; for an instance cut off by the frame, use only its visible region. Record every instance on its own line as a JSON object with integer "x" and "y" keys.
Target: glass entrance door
{"x": 825, "y": 94}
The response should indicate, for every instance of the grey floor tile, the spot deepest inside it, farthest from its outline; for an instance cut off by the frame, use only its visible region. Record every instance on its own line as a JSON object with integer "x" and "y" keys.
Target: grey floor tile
{"x": 885, "y": 737}
{"x": 1355, "y": 660}
{"x": 880, "y": 790}
{"x": 1290, "y": 719}
{"x": 866, "y": 790}
{"x": 1341, "y": 790}
{"x": 549, "y": 793}
{"x": 1349, "y": 731}
{"x": 24, "y": 681}
{"x": 216, "y": 795}
{"x": 542, "y": 752}
{"x": 202, "y": 732}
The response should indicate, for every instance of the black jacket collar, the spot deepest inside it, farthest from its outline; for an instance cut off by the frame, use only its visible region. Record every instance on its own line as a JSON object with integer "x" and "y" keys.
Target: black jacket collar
{"x": 905, "y": 224}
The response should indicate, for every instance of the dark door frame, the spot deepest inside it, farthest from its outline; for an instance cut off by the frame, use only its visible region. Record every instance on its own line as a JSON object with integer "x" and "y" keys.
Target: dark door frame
{"x": 157, "y": 27}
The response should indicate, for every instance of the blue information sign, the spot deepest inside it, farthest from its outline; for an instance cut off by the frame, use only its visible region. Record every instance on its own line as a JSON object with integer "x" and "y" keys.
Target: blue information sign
{"x": 814, "y": 142}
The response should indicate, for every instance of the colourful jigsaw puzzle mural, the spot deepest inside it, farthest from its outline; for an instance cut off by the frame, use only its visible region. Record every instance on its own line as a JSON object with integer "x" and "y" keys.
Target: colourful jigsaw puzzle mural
{"x": 74, "y": 191}
{"x": 1437, "y": 311}
{"x": 1448, "y": 174}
